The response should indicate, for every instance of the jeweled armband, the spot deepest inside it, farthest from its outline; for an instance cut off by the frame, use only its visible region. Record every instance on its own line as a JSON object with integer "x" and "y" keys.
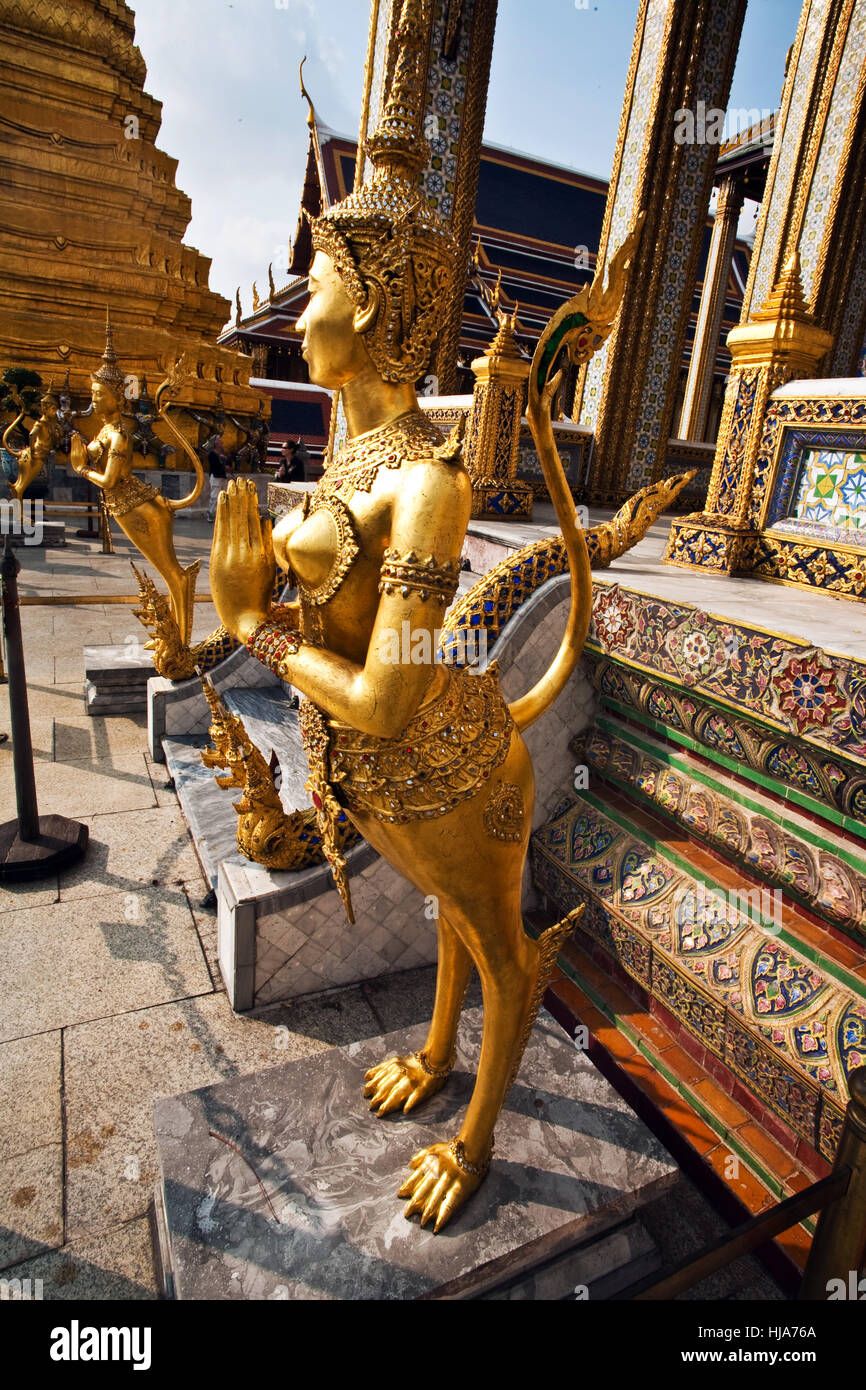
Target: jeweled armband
{"x": 271, "y": 644}
{"x": 428, "y": 577}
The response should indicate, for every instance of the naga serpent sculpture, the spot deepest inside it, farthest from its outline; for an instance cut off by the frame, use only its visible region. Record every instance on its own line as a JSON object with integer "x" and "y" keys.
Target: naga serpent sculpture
{"x": 141, "y": 512}
{"x": 426, "y": 760}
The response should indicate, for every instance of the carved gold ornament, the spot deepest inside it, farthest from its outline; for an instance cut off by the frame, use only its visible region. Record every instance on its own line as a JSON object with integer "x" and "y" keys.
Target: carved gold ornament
{"x": 428, "y": 577}
{"x": 503, "y": 814}
{"x": 444, "y": 756}
{"x": 409, "y": 438}
{"x": 345, "y": 549}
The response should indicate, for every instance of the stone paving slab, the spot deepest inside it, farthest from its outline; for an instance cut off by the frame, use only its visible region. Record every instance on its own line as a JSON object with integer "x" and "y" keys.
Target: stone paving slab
{"x": 41, "y": 737}
{"x": 195, "y": 1042}
{"x": 84, "y": 789}
{"x": 116, "y": 1264}
{"x": 16, "y": 896}
{"x": 46, "y": 700}
{"x": 81, "y": 738}
{"x": 31, "y": 1203}
{"x": 30, "y": 1083}
{"x": 162, "y": 782}
{"x": 207, "y": 926}
{"x": 131, "y": 850}
{"x": 69, "y": 667}
{"x": 61, "y": 966}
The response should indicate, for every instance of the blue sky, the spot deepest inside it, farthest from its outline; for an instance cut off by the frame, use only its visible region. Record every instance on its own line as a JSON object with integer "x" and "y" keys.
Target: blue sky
{"x": 226, "y": 74}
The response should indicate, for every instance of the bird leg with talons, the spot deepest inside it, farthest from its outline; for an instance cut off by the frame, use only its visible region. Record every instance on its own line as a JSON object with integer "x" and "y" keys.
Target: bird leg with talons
{"x": 403, "y": 1082}
{"x": 444, "y": 1176}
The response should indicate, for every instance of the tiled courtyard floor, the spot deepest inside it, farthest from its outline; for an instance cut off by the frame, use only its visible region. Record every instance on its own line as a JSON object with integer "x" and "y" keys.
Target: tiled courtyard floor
{"x": 110, "y": 992}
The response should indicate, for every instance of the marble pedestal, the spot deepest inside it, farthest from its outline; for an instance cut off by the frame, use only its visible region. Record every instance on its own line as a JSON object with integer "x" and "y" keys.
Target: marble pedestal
{"x": 282, "y": 935}
{"x": 116, "y": 679}
{"x": 573, "y": 1166}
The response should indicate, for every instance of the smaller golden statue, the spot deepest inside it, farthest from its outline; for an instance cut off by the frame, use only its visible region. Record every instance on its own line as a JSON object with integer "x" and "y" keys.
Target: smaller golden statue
{"x": 46, "y": 437}
{"x": 141, "y": 512}
{"x": 266, "y": 834}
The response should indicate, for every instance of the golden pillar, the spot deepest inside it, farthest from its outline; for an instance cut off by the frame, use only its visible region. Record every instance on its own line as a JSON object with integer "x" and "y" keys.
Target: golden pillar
{"x": 813, "y": 202}
{"x": 699, "y": 384}
{"x": 681, "y": 67}
{"x": 493, "y": 435}
{"x": 807, "y": 275}
{"x": 780, "y": 342}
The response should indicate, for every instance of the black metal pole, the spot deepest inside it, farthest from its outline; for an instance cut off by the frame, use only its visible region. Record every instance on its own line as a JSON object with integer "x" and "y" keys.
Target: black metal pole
{"x": 92, "y": 532}
{"x": 31, "y": 846}
{"x": 22, "y": 747}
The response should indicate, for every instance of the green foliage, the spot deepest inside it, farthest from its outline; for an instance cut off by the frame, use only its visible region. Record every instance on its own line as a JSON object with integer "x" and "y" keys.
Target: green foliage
{"x": 28, "y": 386}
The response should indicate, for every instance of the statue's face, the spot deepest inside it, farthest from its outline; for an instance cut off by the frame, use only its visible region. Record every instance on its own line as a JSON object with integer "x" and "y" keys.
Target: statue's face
{"x": 333, "y": 349}
{"x": 105, "y": 401}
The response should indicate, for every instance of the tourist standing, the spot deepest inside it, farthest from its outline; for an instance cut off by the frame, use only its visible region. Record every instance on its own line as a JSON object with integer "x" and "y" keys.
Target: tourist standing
{"x": 216, "y": 467}
{"x": 301, "y": 459}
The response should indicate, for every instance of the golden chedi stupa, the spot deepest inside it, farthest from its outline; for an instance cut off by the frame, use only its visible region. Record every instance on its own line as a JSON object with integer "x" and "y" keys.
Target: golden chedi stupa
{"x": 92, "y": 220}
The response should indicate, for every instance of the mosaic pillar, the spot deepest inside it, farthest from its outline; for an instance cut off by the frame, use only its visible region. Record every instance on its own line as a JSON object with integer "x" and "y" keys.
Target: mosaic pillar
{"x": 682, "y": 60}
{"x": 807, "y": 278}
{"x": 461, "y": 45}
{"x": 493, "y": 435}
{"x": 782, "y": 341}
{"x": 693, "y": 420}
{"x": 813, "y": 202}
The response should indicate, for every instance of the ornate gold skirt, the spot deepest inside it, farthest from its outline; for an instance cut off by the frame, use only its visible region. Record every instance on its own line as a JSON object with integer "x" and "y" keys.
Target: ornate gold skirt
{"x": 129, "y": 494}
{"x": 445, "y": 755}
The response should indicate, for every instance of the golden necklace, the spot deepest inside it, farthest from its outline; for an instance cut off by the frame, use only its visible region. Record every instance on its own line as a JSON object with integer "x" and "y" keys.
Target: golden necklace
{"x": 410, "y": 437}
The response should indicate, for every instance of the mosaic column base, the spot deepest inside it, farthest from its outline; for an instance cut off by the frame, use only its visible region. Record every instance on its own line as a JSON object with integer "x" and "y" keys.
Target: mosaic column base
{"x": 707, "y": 542}
{"x": 493, "y": 500}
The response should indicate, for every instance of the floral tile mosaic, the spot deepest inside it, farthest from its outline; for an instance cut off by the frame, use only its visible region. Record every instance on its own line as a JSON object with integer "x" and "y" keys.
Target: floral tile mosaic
{"x": 766, "y": 843}
{"x": 831, "y": 491}
{"x": 817, "y": 696}
{"x": 781, "y": 1021}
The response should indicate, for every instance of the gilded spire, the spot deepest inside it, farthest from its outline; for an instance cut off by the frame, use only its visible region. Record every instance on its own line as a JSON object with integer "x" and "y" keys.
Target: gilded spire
{"x": 786, "y": 299}
{"x": 505, "y": 343}
{"x": 109, "y": 373}
{"x": 312, "y": 122}
{"x": 397, "y": 143}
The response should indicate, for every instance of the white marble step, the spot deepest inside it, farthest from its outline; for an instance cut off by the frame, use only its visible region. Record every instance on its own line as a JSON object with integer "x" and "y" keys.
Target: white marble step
{"x": 272, "y": 725}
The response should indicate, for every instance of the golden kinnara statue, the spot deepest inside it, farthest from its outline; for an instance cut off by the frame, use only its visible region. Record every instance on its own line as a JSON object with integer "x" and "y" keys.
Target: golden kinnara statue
{"x": 427, "y": 760}
{"x": 45, "y": 438}
{"x": 141, "y": 512}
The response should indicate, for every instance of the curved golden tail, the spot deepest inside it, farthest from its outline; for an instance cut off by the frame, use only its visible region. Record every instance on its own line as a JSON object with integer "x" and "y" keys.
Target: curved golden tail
{"x": 171, "y": 383}
{"x": 581, "y": 325}
{"x": 16, "y": 453}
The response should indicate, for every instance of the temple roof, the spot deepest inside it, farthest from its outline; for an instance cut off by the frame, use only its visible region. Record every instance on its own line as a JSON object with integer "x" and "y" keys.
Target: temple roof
{"x": 537, "y": 226}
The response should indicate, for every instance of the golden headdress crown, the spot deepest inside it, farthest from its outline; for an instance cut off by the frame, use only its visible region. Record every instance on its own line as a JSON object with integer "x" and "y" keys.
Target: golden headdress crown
{"x": 385, "y": 236}
{"x": 110, "y": 373}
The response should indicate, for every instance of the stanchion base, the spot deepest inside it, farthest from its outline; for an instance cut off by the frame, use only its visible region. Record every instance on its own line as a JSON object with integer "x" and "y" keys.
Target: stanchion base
{"x": 60, "y": 842}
